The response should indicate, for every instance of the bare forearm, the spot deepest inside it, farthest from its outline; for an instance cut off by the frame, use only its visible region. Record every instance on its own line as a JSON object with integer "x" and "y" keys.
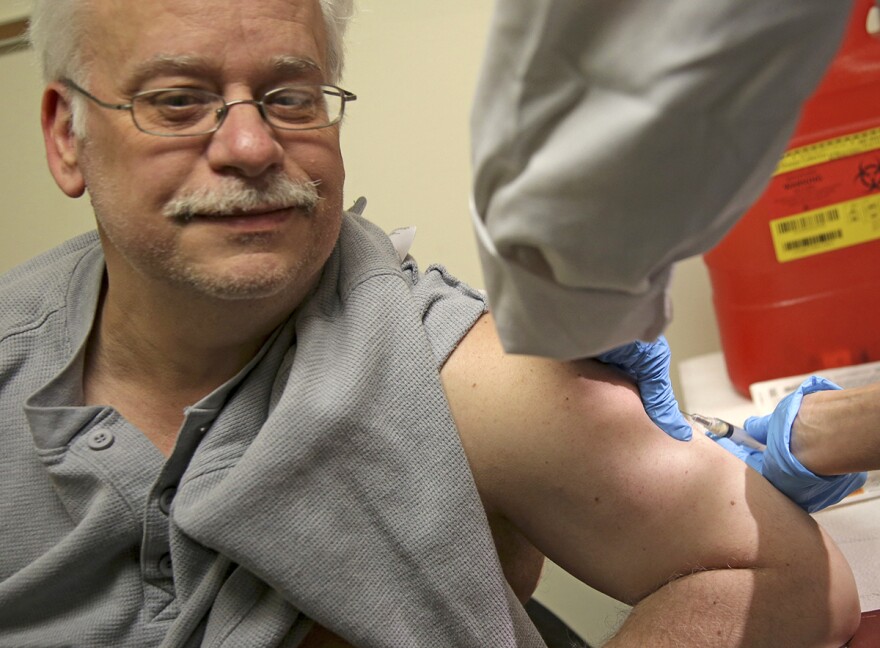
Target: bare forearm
{"x": 741, "y": 607}
{"x": 838, "y": 432}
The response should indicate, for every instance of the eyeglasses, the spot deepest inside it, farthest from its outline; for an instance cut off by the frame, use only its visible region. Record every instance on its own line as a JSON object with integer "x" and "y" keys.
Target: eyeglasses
{"x": 185, "y": 112}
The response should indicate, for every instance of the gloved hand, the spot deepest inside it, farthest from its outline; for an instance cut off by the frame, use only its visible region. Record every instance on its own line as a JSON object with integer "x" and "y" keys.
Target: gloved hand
{"x": 808, "y": 490}
{"x": 648, "y": 364}
{"x": 752, "y": 456}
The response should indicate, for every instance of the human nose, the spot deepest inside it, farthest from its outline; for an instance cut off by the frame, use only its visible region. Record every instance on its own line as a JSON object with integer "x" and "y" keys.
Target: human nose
{"x": 244, "y": 142}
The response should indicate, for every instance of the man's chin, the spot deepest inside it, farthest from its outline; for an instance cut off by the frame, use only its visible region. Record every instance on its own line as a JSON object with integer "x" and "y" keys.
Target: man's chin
{"x": 258, "y": 281}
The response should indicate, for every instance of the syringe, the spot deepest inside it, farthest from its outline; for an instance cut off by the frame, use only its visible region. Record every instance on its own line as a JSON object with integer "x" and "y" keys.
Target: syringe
{"x": 721, "y": 429}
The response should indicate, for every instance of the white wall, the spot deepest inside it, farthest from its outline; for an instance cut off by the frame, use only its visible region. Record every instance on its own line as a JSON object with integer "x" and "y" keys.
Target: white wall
{"x": 414, "y": 68}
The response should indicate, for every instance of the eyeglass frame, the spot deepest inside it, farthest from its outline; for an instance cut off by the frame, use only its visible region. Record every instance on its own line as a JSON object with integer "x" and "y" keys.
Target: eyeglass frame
{"x": 343, "y": 94}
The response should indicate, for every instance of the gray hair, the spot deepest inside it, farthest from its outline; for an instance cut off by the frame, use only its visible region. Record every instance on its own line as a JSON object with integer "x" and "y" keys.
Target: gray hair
{"x": 57, "y": 27}
{"x": 337, "y": 15}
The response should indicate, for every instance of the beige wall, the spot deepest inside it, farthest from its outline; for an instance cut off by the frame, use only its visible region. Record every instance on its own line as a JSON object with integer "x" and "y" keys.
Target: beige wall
{"x": 34, "y": 214}
{"x": 414, "y": 69}
{"x": 13, "y": 9}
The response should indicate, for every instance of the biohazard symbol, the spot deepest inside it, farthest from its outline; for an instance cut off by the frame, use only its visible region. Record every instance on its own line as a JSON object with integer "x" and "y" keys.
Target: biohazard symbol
{"x": 869, "y": 175}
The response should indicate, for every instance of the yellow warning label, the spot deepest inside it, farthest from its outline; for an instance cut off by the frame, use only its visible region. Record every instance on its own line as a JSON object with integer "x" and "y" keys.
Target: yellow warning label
{"x": 822, "y": 230}
{"x": 828, "y": 150}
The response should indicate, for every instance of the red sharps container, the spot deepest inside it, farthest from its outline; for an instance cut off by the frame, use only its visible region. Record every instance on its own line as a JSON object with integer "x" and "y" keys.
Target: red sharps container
{"x": 796, "y": 283}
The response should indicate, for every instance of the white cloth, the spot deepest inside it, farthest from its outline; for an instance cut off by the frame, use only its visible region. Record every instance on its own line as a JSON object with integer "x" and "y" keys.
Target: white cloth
{"x": 614, "y": 138}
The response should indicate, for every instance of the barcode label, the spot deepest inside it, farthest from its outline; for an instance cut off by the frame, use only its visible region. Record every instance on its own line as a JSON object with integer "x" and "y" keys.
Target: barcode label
{"x": 830, "y": 228}
{"x": 807, "y": 222}
{"x": 819, "y": 239}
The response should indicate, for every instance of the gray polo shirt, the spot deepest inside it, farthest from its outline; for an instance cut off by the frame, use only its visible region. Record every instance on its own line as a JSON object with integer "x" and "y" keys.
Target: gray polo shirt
{"x": 84, "y": 496}
{"x": 324, "y": 481}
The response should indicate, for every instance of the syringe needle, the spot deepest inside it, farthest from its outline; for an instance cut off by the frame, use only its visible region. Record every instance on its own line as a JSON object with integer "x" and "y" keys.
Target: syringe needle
{"x": 719, "y": 428}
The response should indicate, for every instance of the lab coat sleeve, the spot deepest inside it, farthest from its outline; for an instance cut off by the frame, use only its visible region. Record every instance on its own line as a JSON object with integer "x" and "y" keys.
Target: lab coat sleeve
{"x": 612, "y": 138}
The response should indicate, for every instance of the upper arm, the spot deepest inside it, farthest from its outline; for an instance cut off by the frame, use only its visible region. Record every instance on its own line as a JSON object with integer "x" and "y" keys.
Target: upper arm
{"x": 566, "y": 453}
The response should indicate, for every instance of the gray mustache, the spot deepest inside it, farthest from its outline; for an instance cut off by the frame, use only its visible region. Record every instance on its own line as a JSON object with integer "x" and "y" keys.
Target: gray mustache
{"x": 279, "y": 192}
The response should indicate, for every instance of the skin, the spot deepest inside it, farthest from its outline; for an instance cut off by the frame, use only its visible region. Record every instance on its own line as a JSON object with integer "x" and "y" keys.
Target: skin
{"x": 567, "y": 461}
{"x": 564, "y": 457}
{"x": 835, "y": 432}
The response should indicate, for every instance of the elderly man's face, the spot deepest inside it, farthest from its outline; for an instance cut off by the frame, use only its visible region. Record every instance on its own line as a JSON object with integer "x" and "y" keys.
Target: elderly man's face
{"x": 239, "y": 50}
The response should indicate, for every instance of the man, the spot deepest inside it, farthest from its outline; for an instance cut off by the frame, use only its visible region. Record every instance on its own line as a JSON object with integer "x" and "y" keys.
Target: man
{"x": 235, "y": 417}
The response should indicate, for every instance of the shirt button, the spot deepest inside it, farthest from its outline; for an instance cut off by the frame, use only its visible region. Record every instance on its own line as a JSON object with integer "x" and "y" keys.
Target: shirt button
{"x": 165, "y": 566}
{"x": 165, "y": 499}
{"x": 100, "y": 439}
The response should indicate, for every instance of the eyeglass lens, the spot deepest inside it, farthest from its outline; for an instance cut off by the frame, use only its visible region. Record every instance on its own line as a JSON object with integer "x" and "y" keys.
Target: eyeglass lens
{"x": 189, "y": 111}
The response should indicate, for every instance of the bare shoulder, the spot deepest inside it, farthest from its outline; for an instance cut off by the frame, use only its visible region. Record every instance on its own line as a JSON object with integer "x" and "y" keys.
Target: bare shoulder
{"x": 565, "y": 452}
{"x": 517, "y": 413}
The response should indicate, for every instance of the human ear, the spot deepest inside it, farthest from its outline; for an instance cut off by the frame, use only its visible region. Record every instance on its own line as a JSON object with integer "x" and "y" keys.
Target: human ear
{"x": 61, "y": 152}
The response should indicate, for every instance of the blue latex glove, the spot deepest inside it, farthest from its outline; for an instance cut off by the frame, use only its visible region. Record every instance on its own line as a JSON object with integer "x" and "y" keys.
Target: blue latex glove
{"x": 648, "y": 364}
{"x": 808, "y": 490}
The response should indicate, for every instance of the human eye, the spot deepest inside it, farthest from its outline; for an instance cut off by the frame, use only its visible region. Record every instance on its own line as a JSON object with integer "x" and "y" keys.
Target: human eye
{"x": 179, "y": 98}
{"x": 296, "y": 105}
{"x": 176, "y": 107}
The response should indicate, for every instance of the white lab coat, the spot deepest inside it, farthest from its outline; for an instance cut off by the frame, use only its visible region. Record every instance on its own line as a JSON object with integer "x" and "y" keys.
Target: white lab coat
{"x": 612, "y": 138}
